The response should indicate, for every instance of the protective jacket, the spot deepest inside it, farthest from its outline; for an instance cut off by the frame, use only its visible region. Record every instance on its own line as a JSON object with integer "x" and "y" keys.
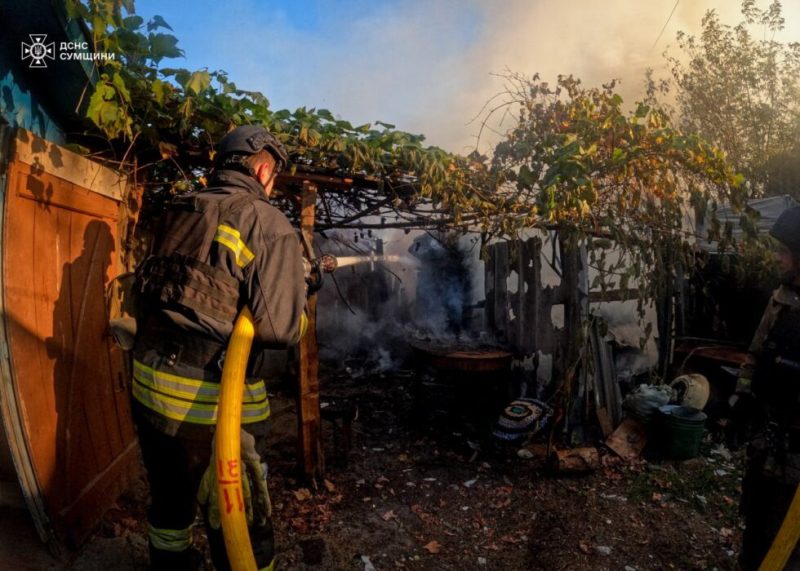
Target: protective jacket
{"x": 773, "y": 348}
{"x": 772, "y": 474}
{"x": 214, "y": 252}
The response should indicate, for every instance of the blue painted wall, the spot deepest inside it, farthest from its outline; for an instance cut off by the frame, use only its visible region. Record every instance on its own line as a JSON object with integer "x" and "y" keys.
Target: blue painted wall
{"x": 19, "y": 106}
{"x": 40, "y": 100}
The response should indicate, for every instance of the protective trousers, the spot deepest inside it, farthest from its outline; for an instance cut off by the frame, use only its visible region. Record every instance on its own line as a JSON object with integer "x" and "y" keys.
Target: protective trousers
{"x": 768, "y": 487}
{"x": 175, "y": 467}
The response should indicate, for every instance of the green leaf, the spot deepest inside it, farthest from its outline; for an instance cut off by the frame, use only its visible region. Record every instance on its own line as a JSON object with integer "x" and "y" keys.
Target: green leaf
{"x": 160, "y": 90}
{"x": 132, "y": 22}
{"x": 182, "y": 76}
{"x": 122, "y": 89}
{"x": 157, "y": 22}
{"x": 198, "y": 82}
{"x": 76, "y": 9}
{"x": 526, "y": 177}
{"x": 164, "y": 45}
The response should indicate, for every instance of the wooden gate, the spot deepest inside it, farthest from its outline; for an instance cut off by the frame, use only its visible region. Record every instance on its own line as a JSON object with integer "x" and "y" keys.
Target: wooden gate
{"x": 65, "y": 402}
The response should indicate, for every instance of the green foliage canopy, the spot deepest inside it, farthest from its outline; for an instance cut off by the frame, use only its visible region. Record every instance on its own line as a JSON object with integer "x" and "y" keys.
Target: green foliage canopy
{"x": 577, "y": 160}
{"x": 743, "y": 94}
{"x": 574, "y": 159}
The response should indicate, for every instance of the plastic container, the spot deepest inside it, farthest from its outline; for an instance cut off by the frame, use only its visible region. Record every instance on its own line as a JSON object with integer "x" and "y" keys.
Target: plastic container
{"x": 682, "y": 429}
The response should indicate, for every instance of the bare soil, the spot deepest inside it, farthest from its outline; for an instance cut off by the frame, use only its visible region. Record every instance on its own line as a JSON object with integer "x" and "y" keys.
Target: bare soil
{"x": 427, "y": 489}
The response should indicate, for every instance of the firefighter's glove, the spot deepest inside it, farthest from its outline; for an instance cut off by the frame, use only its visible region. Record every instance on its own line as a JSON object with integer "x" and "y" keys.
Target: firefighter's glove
{"x": 208, "y": 492}
{"x": 259, "y": 506}
{"x": 312, "y": 273}
{"x": 208, "y": 496}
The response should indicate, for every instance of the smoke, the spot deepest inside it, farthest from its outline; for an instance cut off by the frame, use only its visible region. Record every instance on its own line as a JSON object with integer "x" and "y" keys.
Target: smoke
{"x": 362, "y": 310}
{"x": 429, "y": 67}
{"x": 371, "y": 311}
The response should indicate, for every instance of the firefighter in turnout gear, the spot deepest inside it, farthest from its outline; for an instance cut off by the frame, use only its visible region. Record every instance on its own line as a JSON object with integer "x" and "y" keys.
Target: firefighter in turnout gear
{"x": 214, "y": 252}
{"x": 768, "y": 395}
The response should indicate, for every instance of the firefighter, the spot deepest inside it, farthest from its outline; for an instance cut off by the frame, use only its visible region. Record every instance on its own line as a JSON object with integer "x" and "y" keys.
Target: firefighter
{"x": 214, "y": 252}
{"x": 768, "y": 395}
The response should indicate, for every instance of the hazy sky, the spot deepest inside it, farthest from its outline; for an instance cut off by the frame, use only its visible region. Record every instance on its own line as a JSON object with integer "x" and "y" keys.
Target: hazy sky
{"x": 428, "y": 66}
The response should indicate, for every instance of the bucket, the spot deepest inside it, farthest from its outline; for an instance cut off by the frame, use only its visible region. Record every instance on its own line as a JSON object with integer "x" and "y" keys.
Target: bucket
{"x": 682, "y": 430}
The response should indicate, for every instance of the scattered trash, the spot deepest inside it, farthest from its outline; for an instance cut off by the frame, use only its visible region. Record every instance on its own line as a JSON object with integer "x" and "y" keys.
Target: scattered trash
{"x": 368, "y": 566}
{"x": 722, "y": 451}
{"x": 603, "y": 550}
{"x": 521, "y": 418}
{"x": 576, "y": 460}
{"x": 433, "y": 547}
{"x": 645, "y": 400}
{"x": 628, "y": 440}
{"x": 482, "y": 561}
{"x": 682, "y": 430}
{"x": 536, "y": 450}
{"x": 470, "y": 483}
{"x": 613, "y": 497}
{"x": 691, "y": 390}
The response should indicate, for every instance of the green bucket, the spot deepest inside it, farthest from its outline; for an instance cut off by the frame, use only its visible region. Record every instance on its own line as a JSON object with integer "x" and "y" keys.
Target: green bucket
{"x": 682, "y": 430}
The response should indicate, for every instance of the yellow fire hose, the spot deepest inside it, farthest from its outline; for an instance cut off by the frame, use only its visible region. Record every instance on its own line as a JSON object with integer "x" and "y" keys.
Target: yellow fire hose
{"x": 786, "y": 539}
{"x": 228, "y": 447}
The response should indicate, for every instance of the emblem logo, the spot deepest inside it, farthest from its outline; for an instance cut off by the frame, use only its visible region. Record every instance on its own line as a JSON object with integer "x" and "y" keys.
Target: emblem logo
{"x": 38, "y": 51}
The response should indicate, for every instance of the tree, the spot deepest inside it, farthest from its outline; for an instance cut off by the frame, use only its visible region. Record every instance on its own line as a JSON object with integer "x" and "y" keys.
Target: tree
{"x": 160, "y": 125}
{"x": 743, "y": 94}
{"x": 627, "y": 186}
{"x": 577, "y": 161}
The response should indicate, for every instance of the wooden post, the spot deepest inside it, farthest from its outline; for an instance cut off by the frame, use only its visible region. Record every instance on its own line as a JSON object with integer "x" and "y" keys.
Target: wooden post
{"x": 309, "y": 423}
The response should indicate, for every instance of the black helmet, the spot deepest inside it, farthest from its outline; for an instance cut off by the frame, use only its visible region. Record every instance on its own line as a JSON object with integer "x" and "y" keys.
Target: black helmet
{"x": 787, "y": 229}
{"x": 250, "y": 139}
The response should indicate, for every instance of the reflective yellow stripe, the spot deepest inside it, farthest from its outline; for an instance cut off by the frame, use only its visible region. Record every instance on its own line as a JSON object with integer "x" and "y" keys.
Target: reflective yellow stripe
{"x": 743, "y": 385}
{"x": 191, "y": 389}
{"x": 191, "y": 400}
{"x": 170, "y": 539}
{"x": 231, "y": 239}
{"x": 303, "y": 324}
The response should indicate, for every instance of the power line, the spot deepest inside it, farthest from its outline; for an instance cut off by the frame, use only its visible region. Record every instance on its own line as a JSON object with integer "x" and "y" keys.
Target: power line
{"x": 661, "y": 33}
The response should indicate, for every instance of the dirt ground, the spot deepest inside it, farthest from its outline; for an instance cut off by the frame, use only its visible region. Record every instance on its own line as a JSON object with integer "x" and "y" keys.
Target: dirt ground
{"x": 424, "y": 489}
